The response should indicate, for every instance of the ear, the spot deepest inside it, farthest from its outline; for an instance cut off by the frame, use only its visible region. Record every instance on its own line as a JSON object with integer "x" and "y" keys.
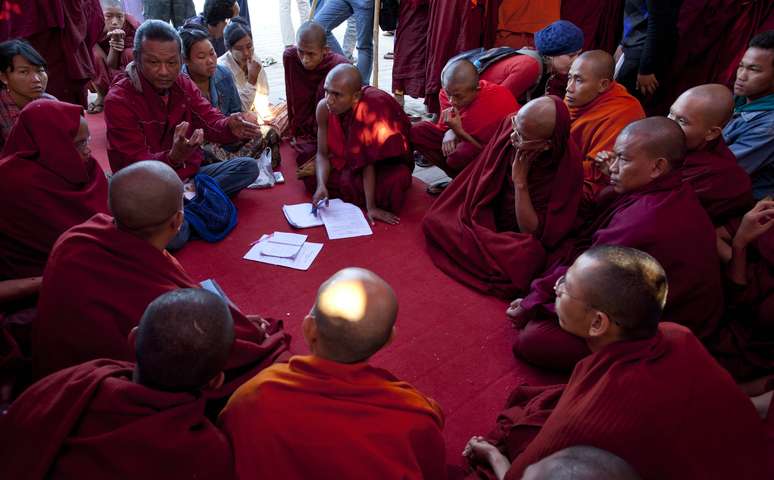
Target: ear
{"x": 712, "y": 133}
{"x": 177, "y": 220}
{"x": 600, "y": 324}
{"x": 131, "y": 339}
{"x": 309, "y": 329}
{"x": 216, "y": 382}
{"x": 357, "y": 95}
{"x": 604, "y": 84}
{"x": 660, "y": 167}
{"x": 4, "y": 78}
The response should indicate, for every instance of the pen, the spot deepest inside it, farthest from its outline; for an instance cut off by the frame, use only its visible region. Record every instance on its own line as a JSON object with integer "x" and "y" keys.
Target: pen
{"x": 316, "y": 207}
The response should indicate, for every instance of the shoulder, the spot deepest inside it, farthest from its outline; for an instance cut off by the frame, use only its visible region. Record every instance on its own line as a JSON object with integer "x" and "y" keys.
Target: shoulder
{"x": 223, "y": 74}
{"x": 290, "y": 53}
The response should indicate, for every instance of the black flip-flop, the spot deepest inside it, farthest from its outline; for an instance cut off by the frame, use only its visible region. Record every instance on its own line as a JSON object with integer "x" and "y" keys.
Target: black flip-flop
{"x": 437, "y": 187}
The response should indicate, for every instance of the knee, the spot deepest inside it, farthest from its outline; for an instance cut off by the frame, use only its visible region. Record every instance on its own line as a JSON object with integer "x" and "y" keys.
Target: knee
{"x": 544, "y": 344}
{"x": 244, "y": 166}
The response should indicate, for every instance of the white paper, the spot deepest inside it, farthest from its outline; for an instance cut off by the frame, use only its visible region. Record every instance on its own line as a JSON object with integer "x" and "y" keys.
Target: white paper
{"x": 344, "y": 220}
{"x": 300, "y": 215}
{"x": 288, "y": 238}
{"x": 281, "y": 250}
{"x": 302, "y": 260}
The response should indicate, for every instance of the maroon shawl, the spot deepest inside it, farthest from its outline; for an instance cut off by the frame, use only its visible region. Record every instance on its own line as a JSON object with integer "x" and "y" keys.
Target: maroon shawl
{"x": 408, "y": 67}
{"x": 96, "y": 286}
{"x": 45, "y": 186}
{"x": 662, "y": 404}
{"x": 600, "y": 20}
{"x": 723, "y": 187}
{"x": 78, "y": 423}
{"x": 471, "y": 229}
{"x": 666, "y": 220}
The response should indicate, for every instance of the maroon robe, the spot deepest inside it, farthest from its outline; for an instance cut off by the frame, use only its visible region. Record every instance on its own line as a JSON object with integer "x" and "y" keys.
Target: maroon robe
{"x": 408, "y": 67}
{"x": 471, "y": 230}
{"x": 723, "y": 187}
{"x": 304, "y": 89}
{"x": 92, "y": 421}
{"x": 600, "y": 20}
{"x": 104, "y": 75}
{"x": 45, "y": 186}
{"x": 96, "y": 286}
{"x": 64, "y": 33}
{"x": 662, "y": 404}
{"x": 664, "y": 219}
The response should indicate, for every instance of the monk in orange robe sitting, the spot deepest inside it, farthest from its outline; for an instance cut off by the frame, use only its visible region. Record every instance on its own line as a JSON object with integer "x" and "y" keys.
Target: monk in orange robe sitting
{"x": 363, "y": 153}
{"x": 649, "y": 392}
{"x": 472, "y": 110}
{"x": 331, "y": 415}
{"x": 77, "y": 423}
{"x": 599, "y": 109}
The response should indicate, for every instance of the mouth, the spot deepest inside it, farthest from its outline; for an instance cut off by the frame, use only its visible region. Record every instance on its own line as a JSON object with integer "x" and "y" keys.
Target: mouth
{"x": 613, "y": 180}
{"x": 569, "y": 99}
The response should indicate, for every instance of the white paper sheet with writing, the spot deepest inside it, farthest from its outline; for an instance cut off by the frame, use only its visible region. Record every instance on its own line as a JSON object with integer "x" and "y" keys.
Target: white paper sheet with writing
{"x": 300, "y": 215}
{"x": 284, "y": 245}
{"x": 344, "y": 220}
{"x": 302, "y": 261}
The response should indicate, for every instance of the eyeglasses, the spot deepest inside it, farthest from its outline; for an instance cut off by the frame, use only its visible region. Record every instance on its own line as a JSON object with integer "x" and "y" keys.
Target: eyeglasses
{"x": 83, "y": 144}
{"x": 560, "y": 288}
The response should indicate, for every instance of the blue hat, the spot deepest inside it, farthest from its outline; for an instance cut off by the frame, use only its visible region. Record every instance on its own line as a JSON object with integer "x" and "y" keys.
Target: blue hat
{"x": 559, "y": 38}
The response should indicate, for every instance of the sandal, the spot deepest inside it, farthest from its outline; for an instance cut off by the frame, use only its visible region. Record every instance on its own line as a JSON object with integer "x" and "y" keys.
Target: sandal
{"x": 95, "y": 108}
{"x": 268, "y": 61}
{"x": 438, "y": 187}
{"x": 389, "y": 55}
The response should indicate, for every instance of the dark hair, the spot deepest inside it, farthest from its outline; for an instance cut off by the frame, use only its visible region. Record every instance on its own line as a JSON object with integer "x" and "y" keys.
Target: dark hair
{"x": 17, "y": 46}
{"x": 235, "y": 31}
{"x": 154, "y": 30}
{"x": 191, "y": 34}
{"x": 216, "y": 11}
{"x": 764, "y": 40}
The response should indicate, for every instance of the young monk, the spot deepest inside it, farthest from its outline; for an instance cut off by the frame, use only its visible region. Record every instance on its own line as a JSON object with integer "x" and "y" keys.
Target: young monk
{"x": 306, "y": 66}
{"x": 723, "y": 187}
{"x": 49, "y": 182}
{"x": 491, "y": 228}
{"x": 349, "y": 419}
{"x": 472, "y": 109}
{"x": 648, "y": 393}
{"x": 599, "y": 109}
{"x": 113, "y": 51}
{"x": 363, "y": 153}
{"x": 654, "y": 211}
{"x": 81, "y": 315}
{"x": 78, "y": 422}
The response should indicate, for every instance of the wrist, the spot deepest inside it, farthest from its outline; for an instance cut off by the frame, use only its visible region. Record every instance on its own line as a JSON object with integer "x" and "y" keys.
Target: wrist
{"x": 739, "y": 244}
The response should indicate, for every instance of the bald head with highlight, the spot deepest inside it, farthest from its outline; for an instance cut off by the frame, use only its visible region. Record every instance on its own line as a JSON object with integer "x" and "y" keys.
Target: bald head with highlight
{"x": 591, "y": 75}
{"x": 581, "y": 463}
{"x": 702, "y": 112}
{"x": 144, "y": 195}
{"x": 312, "y": 33}
{"x": 353, "y": 316}
{"x": 536, "y": 119}
{"x": 460, "y": 82}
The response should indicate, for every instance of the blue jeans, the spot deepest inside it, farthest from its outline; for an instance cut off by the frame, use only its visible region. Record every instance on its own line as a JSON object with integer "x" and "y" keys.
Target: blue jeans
{"x": 232, "y": 176}
{"x": 334, "y": 12}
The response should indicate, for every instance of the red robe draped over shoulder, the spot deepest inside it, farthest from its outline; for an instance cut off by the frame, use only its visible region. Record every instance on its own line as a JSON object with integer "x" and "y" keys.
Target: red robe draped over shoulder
{"x": 471, "y": 230}
{"x": 374, "y": 132}
{"x": 518, "y": 73}
{"x": 96, "y": 286}
{"x": 78, "y": 423}
{"x": 664, "y": 219}
{"x": 600, "y": 20}
{"x": 408, "y": 67}
{"x": 45, "y": 186}
{"x": 595, "y": 127}
{"x": 348, "y": 421}
{"x": 662, "y": 404}
{"x": 723, "y": 187}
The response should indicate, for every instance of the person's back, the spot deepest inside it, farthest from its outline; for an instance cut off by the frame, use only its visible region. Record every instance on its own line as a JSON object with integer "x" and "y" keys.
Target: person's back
{"x": 82, "y": 421}
{"x": 331, "y": 414}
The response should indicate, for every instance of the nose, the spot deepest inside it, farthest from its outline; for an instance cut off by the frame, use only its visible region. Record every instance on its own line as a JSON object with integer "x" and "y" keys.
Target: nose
{"x": 741, "y": 73}
{"x": 614, "y": 165}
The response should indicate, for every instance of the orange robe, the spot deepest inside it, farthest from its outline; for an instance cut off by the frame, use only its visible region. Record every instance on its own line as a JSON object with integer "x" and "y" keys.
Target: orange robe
{"x": 520, "y": 19}
{"x": 595, "y": 127}
{"x": 314, "y": 418}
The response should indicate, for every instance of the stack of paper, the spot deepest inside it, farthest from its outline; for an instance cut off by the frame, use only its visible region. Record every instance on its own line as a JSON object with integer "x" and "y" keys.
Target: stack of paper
{"x": 300, "y": 215}
{"x": 284, "y": 249}
{"x": 341, "y": 219}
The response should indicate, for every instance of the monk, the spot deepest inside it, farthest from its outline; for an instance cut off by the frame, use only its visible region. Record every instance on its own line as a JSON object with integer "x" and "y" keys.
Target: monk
{"x": 306, "y": 66}
{"x": 49, "y": 182}
{"x": 78, "y": 422}
{"x": 653, "y": 211}
{"x": 81, "y": 315}
{"x": 637, "y": 394}
{"x": 363, "y": 153}
{"x": 472, "y": 109}
{"x": 492, "y": 227}
{"x": 349, "y": 419}
{"x": 113, "y": 52}
{"x": 723, "y": 187}
{"x": 408, "y": 66}
{"x": 581, "y": 463}
{"x": 599, "y": 109}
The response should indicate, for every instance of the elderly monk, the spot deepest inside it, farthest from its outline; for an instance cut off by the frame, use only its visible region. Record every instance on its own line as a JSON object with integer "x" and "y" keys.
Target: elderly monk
{"x": 81, "y": 317}
{"x": 363, "y": 153}
{"x": 77, "y": 423}
{"x": 723, "y": 187}
{"x": 472, "y": 109}
{"x": 654, "y": 211}
{"x": 599, "y": 108}
{"x": 492, "y": 227}
{"x": 306, "y": 66}
{"x": 581, "y": 463}
{"x": 357, "y": 420}
{"x": 49, "y": 182}
{"x": 648, "y": 393}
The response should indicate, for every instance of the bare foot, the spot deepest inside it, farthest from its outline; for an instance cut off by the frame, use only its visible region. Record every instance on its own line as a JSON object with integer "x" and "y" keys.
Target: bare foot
{"x": 478, "y": 449}
{"x": 762, "y": 403}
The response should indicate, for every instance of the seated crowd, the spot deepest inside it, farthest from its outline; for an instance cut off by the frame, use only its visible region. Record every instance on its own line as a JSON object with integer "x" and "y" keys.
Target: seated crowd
{"x": 637, "y": 254}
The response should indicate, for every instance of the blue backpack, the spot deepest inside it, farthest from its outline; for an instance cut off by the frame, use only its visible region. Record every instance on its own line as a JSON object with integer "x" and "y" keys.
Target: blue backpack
{"x": 211, "y": 214}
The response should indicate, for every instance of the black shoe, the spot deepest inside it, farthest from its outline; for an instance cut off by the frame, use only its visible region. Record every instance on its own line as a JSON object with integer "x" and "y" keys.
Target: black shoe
{"x": 420, "y": 161}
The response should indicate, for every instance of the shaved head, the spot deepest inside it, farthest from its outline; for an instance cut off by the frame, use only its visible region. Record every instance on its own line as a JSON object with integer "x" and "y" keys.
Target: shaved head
{"x": 581, "y": 463}
{"x": 702, "y": 112}
{"x": 537, "y": 119}
{"x": 311, "y": 33}
{"x": 354, "y": 315}
{"x": 659, "y": 137}
{"x": 460, "y": 72}
{"x": 600, "y": 63}
{"x": 346, "y": 75}
{"x": 144, "y": 195}
{"x": 714, "y": 101}
{"x": 112, "y": 4}
{"x": 183, "y": 340}
{"x": 591, "y": 74}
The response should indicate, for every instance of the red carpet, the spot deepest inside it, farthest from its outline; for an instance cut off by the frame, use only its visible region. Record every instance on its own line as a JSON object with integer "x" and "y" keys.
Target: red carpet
{"x": 452, "y": 343}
